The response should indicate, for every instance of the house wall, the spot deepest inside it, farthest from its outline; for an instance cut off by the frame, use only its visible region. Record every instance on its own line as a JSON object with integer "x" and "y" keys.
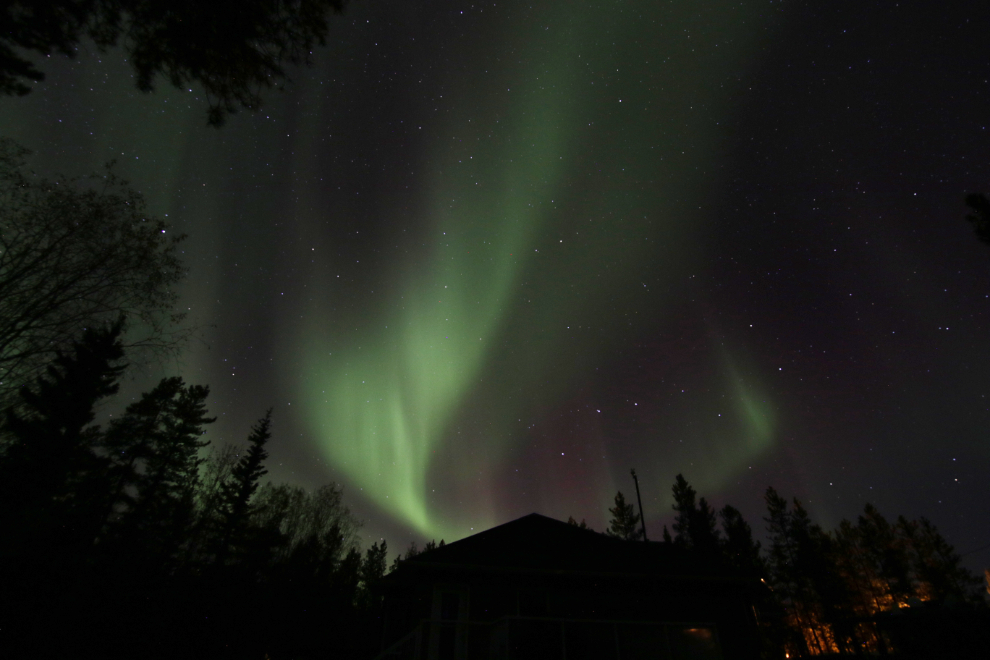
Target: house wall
{"x": 490, "y": 597}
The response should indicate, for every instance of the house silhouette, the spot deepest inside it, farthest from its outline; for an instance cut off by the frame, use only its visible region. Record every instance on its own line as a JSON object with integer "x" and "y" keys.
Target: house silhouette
{"x": 539, "y": 588}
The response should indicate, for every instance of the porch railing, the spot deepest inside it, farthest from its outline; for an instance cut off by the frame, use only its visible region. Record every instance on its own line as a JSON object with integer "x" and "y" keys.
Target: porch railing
{"x": 537, "y": 638}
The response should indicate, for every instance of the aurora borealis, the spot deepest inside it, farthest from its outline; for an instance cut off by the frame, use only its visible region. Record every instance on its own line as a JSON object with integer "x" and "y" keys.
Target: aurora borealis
{"x": 483, "y": 259}
{"x": 528, "y": 191}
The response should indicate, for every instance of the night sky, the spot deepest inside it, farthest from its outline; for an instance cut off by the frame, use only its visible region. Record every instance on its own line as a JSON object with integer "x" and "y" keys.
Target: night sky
{"x": 482, "y": 259}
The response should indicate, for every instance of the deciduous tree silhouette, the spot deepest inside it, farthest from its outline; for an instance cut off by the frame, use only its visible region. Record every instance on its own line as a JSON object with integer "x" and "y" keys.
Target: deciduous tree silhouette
{"x": 234, "y": 50}
{"x": 77, "y": 254}
{"x": 313, "y": 531}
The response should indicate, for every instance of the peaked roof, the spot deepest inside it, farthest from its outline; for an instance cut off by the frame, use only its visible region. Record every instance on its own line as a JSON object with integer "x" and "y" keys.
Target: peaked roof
{"x": 536, "y": 543}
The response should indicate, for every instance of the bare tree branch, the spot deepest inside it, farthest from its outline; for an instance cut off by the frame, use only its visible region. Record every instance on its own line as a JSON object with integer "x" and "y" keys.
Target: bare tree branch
{"x": 73, "y": 255}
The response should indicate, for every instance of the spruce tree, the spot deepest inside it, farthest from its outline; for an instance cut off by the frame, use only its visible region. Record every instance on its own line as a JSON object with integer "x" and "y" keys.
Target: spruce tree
{"x": 155, "y": 446}
{"x": 936, "y": 565}
{"x": 686, "y": 508}
{"x": 874, "y": 562}
{"x": 372, "y": 571}
{"x": 704, "y": 534}
{"x": 738, "y": 547}
{"x": 345, "y": 578}
{"x": 236, "y": 493}
{"x": 53, "y": 486}
{"x": 826, "y": 591}
{"x": 783, "y": 575}
{"x": 582, "y": 524}
{"x": 52, "y": 475}
{"x": 694, "y": 525}
{"x": 885, "y": 550}
{"x": 624, "y": 523}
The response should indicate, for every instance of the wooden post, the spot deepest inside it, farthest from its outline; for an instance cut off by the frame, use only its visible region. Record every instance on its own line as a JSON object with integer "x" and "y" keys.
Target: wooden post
{"x": 642, "y": 518}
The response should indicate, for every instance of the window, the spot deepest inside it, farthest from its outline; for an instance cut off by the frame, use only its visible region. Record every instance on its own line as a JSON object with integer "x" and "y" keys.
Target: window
{"x": 448, "y": 628}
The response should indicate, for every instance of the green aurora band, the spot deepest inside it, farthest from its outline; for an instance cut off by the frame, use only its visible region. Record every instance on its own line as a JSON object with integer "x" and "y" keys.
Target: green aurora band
{"x": 564, "y": 181}
{"x": 562, "y": 191}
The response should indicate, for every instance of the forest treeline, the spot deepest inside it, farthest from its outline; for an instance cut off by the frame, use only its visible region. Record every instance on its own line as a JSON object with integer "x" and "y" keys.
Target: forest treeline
{"x": 130, "y": 539}
{"x": 869, "y": 587}
{"x": 135, "y": 538}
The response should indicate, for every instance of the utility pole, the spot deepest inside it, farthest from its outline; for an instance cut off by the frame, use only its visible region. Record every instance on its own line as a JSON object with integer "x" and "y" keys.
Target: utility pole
{"x": 642, "y": 518}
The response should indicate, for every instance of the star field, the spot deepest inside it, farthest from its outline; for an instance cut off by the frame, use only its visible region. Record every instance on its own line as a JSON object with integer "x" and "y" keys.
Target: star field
{"x": 484, "y": 258}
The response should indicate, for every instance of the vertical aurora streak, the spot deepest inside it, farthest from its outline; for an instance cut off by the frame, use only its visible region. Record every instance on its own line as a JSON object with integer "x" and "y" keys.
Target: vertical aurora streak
{"x": 557, "y": 188}
{"x": 671, "y": 234}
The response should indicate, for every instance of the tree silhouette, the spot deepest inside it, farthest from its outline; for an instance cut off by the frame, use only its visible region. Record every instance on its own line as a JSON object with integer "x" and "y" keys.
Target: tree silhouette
{"x": 311, "y": 531}
{"x": 786, "y": 579}
{"x": 52, "y": 475}
{"x": 156, "y": 445}
{"x": 694, "y": 526}
{"x": 582, "y": 524}
{"x": 935, "y": 564}
{"x": 373, "y": 569}
{"x": 112, "y": 536}
{"x": 54, "y": 487}
{"x": 738, "y": 546}
{"x": 874, "y": 560}
{"x": 77, "y": 254}
{"x": 235, "y": 495}
{"x": 233, "y": 49}
{"x": 687, "y": 510}
{"x": 828, "y": 584}
{"x": 624, "y": 523}
{"x": 980, "y": 216}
